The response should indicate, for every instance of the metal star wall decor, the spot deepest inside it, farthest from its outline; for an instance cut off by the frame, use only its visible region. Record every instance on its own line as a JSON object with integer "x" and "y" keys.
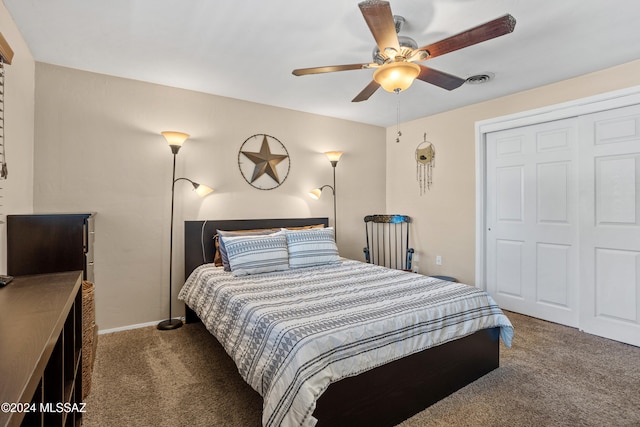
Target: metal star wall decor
{"x": 268, "y": 164}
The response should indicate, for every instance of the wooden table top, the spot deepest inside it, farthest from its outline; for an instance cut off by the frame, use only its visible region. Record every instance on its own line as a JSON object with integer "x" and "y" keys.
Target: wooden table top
{"x": 33, "y": 310}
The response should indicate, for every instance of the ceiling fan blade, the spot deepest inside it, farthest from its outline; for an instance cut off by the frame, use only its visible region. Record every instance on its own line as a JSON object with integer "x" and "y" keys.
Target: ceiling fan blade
{"x": 439, "y": 78}
{"x": 496, "y": 28}
{"x": 366, "y": 92}
{"x": 328, "y": 69}
{"x": 380, "y": 21}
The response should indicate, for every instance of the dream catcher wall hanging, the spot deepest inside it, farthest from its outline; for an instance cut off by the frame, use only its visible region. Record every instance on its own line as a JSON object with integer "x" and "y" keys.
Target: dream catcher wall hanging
{"x": 425, "y": 162}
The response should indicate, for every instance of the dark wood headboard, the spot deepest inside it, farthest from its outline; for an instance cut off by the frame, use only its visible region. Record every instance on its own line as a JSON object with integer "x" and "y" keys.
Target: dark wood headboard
{"x": 198, "y": 235}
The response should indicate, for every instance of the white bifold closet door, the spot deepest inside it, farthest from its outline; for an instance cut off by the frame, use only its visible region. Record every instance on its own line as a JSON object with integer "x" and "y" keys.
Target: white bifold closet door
{"x": 532, "y": 221}
{"x": 563, "y": 221}
{"x": 610, "y": 224}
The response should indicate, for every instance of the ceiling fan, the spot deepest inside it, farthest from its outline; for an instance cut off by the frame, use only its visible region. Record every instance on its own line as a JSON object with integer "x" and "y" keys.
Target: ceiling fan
{"x": 395, "y": 57}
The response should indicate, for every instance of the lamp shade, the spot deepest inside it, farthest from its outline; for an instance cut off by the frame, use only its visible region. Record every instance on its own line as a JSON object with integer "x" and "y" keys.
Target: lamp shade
{"x": 315, "y": 193}
{"x": 175, "y": 138}
{"x": 396, "y": 76}
{"x": 202, "y": 190}
{"x": 333, "y": 156}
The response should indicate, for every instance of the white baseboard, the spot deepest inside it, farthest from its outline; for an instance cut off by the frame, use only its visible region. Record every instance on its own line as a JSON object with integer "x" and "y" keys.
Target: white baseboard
{"x": 129, "y": 327}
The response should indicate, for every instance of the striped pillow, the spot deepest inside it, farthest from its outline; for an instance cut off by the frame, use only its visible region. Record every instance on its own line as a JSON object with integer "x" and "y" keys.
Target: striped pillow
{"x": 222, "y": 250}
{"x": 257, "y": 254}
{"x": 312, "y": 247}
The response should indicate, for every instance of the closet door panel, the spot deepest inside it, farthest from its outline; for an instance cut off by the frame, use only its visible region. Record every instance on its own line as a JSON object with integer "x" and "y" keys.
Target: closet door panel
{"x": 610, "y": 224}
{"x": 532, "y": 220}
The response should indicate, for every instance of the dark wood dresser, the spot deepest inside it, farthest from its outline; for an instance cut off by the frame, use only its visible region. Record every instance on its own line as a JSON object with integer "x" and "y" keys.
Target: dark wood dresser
{"x": 49, "y": 243}
{"x": 41, "y": 350}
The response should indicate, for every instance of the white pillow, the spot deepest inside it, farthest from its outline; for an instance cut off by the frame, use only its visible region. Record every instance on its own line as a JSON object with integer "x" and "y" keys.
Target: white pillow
{"x": 257, "y": 254}
{"x": 315, "y": 246}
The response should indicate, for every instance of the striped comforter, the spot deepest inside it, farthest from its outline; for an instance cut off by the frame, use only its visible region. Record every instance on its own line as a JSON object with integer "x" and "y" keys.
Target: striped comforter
{"x": 292, "y": 333}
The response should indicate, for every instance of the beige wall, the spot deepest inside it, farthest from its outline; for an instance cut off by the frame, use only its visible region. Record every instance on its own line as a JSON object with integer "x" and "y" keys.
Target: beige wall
{"x": 98, "y": 148}
{"x": 444, "y": 218}
{"x": 17, "y": 189}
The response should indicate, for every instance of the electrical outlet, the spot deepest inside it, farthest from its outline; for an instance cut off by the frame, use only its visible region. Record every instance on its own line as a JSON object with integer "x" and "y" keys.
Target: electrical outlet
{"x": 438, "y": 260}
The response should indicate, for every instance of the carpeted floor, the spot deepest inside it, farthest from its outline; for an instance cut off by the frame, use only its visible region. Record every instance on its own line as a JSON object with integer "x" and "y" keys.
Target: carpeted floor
{"x": 552, "y": 376}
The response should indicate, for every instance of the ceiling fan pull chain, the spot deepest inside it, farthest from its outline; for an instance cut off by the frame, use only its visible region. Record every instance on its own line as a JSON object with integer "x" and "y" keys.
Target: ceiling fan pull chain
{"x": 398, "y": 134}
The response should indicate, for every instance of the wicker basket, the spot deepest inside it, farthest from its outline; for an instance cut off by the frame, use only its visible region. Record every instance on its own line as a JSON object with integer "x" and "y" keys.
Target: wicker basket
{"x": 89, "y": 339}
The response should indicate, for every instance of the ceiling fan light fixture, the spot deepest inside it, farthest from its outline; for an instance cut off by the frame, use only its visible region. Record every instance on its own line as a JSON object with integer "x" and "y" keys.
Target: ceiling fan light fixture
{"x": 396, "y": 76}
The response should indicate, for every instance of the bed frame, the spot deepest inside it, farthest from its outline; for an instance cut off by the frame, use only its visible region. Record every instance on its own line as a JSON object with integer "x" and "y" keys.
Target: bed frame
{"x": 389, "y": 394}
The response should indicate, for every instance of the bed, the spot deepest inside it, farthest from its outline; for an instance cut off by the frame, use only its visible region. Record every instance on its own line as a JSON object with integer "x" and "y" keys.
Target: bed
{"x": 352, "y": 378}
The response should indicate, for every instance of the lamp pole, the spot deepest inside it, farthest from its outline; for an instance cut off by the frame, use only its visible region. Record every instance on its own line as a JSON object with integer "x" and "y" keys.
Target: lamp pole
{"x": 335, "y": 217}
{"x": 171, "y": 323}
{"x": 175, "y": 140}
{"x": 333, "y": 157}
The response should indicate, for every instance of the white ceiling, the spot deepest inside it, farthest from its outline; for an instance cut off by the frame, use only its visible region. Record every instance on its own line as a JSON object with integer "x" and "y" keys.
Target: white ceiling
{"x": 246, "y": 49}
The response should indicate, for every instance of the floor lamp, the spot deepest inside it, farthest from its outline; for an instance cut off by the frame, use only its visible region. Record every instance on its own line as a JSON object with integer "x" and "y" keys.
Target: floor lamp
{"x": 334, "y": 157}
{"x": 175, "y": 140}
